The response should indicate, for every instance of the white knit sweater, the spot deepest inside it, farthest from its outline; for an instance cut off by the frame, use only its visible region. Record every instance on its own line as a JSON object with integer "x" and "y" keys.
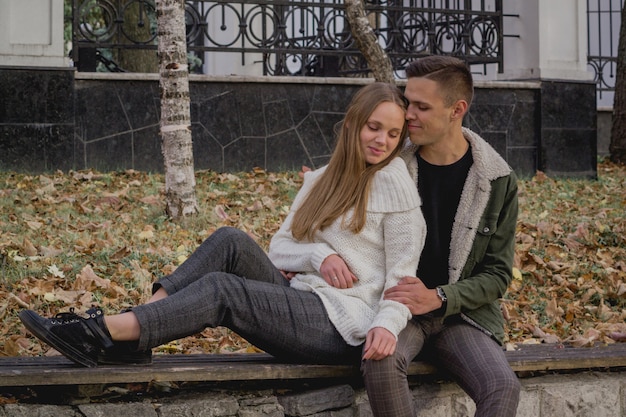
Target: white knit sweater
{"x": 387, "y": 249}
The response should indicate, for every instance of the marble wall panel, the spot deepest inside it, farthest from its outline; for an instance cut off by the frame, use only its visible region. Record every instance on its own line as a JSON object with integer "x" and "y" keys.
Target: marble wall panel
{"x": 50, "y": 121}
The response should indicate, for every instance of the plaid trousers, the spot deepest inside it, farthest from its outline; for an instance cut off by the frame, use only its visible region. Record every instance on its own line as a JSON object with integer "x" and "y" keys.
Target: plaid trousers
{"x": 229, "y": 281}
{"x": 472, "y": 358}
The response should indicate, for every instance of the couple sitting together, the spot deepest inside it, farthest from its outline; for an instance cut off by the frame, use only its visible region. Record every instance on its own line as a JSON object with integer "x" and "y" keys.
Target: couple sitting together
{"x": 393, "y": 247}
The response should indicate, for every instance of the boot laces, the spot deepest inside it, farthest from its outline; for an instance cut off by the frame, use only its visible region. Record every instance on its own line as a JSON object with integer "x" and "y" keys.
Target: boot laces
{"x": 66, "y": 317}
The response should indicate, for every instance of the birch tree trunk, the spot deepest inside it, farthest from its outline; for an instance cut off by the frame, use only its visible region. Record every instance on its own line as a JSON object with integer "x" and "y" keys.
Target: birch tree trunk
{"x": 367, "y": 42}
{"x": 617, "y": 147}
{"x": 175, "y": 110}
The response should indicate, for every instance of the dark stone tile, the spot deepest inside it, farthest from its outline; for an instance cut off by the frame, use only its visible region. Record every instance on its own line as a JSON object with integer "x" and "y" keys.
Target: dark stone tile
{"x": 147, "y": 151}
{"x": 569, "y": 152}
{"x": 497, "y": 140}
{"x": 286, "y": 153}
{"x": 524, "y": 128}
{"x": 529, "y": 95}
{"x": 300, "y": 97}
{"x": 220, "y": 115}
{"x": 274, "y": 93}
{"x": 111, "y": 154}
{"x": 62, "y": 152}
{"x": 99, "y": 112}
{"x": 22, "y": 148}
{"x": 250, "y": 107}
{"x": 327, "y": 123}
{"x": 207, "y": 152}
{"x": 59, "y": 96}
{"x": 494, "y": 97}
{"x": 244, "y": 154}
{"x": 141, "y": 103}
{"x": 320, "y": 161}
{"x": 36, "y": 96}
{"x": 568, "y": 105}
{"x": 491, "y": 117}
{"x": 37, "y": 148}
{"x": 108, "y": 125}
{"x": 332, "y": 98}
{"x": 277, "y": 116}
{"x": 523, "y": 161}
{"x": 314, "y": 141}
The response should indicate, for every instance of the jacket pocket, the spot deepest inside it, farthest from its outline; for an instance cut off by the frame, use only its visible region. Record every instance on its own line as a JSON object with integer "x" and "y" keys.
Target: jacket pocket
{"x": 486, "y": 228}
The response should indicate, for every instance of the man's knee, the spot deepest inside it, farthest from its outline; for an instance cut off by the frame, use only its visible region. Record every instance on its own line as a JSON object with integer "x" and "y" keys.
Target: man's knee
{"x": 394, "y": 364}
{"x": 505, "y": 387}
{"x": 511, "y": 385}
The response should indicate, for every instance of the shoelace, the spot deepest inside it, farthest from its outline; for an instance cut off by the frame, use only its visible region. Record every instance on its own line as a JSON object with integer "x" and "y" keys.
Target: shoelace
{"x": 66, "y": 317}
{"x": 89, "y": 323}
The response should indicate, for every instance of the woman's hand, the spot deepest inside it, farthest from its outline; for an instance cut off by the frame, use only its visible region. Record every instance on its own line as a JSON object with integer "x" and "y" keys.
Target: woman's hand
{"x": 336, "y": 273}
{"x": 379, "y": 343}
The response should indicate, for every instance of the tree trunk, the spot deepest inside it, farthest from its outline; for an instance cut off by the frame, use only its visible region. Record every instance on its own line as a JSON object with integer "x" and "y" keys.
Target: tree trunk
{"x": 365, "y": 38}
{"x": 138, "y": 26}
{"x": 175, "y": 110}
{"x": 617, "y": 147}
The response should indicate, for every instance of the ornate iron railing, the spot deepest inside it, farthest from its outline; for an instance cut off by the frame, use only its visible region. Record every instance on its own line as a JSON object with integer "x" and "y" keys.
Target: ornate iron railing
{"x": 603, "y": 21}
{"x": 295, "y": 37}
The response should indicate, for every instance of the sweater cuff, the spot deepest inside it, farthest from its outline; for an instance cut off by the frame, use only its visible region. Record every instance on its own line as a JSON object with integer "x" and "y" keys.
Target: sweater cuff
{"x": 322, "y": 252}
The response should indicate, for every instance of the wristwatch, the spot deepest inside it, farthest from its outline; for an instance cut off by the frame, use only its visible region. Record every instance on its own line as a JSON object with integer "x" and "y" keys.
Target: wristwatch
{"x": 443, "y": 298}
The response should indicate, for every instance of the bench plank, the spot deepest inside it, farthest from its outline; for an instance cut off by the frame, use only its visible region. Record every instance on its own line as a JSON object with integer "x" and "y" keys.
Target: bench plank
{"x": 57, "y": 370}
{"x": 559, "y": 357}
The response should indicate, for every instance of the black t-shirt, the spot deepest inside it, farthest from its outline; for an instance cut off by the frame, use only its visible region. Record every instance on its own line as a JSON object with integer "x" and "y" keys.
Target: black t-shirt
{"x": 440, "y": 189}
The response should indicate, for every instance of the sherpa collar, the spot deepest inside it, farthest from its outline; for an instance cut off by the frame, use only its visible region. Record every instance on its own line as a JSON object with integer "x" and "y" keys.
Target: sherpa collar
{"x": 488, "y": 165}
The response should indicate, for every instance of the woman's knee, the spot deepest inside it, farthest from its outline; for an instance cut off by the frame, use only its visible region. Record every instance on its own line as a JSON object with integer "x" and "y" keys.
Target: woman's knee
{"x": 228, "y": 233}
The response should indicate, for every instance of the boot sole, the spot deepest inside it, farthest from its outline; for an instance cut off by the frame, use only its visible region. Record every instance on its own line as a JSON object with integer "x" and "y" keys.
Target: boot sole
{"x": 31, "y": 321}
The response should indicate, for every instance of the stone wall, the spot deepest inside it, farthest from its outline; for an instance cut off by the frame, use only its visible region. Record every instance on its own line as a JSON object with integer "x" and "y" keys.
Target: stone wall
{"x": 586, "y": 394}
{"x": 63, "y": 120}
{"x": 605, "y": 120}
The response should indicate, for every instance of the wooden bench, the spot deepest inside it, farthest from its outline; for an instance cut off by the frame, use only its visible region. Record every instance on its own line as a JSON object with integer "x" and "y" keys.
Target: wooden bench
{"x": 56, "y": 370}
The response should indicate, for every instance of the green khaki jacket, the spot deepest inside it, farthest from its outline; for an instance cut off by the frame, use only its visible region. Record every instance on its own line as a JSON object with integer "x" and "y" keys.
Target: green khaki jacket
{"x": 483, "y": 238}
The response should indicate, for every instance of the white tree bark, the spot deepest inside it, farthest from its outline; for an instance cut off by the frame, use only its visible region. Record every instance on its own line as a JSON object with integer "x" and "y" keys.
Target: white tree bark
{"x": 175, "y": 110}
{"x": 617, "y": 146}
{"x": 365, "y": 38}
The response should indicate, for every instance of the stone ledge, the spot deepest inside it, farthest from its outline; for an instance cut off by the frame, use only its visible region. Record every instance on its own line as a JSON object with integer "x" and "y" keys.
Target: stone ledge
{"x": 57, "y": 370}
{"x": 597, "y": 394}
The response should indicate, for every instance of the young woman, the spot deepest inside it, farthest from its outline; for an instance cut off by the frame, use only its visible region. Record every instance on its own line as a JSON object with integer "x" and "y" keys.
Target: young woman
{"x": 355, "y": 229}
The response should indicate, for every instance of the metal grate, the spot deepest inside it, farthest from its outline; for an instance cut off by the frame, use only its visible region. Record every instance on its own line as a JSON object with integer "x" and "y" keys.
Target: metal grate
{"x": 603, "y": 20}
{"x": 294, "y": 37}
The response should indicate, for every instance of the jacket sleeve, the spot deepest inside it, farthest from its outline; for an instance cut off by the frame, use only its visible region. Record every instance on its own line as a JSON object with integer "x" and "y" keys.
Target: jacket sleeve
{"x": 488, "y": 270}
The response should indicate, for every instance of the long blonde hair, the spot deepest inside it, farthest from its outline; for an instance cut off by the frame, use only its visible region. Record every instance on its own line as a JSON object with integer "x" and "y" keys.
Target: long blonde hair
{"x": 346, "y": 182}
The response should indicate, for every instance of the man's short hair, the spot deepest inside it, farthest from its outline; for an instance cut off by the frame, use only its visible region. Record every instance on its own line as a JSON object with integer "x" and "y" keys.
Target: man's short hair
{"x": 452, "y": 75}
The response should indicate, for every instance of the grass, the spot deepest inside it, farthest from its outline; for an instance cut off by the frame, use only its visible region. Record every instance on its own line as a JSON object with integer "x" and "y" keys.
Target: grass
{"x": 77, "y": 238}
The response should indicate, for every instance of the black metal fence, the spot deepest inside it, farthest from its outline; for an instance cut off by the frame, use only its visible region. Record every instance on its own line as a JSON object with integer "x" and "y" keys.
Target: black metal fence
{"x": 294, "y": 37}
{"x": 603, "y": 22}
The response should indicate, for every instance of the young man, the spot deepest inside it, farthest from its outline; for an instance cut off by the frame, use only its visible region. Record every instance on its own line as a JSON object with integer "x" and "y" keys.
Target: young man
{"x": 469, "y": 196}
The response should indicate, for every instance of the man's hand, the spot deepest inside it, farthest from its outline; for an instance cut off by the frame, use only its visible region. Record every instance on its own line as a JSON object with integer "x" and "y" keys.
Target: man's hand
{"x": 335, "y": 271}
{"x": 288, "y": 275}
{"x": 412, "y": 292}
{"x": 303, "y": 170}
{"x": 379, "y": 343}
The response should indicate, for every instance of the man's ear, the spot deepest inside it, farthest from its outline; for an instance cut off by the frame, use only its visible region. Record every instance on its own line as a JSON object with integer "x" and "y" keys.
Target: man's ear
{"x": 459, "y": 109}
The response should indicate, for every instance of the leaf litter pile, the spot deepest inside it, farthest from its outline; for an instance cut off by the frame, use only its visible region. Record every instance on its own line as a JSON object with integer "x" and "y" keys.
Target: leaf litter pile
{"x": 79, "y": 239}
